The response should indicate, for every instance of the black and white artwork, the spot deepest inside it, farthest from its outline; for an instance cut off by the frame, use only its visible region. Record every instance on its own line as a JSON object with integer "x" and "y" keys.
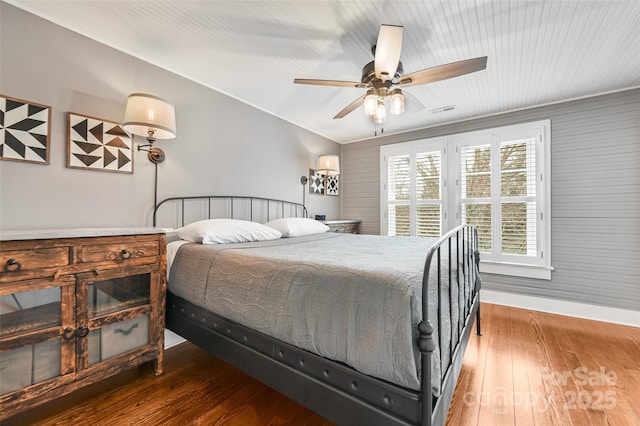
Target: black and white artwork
{"x": 316, "y": 182}
{"x": 332, "y": 185}
{"x": 24, "y": 130}
{"x": 97, "y": 144}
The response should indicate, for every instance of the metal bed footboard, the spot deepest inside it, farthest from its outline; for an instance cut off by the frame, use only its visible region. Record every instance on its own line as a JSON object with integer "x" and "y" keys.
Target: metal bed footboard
{"x": 457, "y": 254}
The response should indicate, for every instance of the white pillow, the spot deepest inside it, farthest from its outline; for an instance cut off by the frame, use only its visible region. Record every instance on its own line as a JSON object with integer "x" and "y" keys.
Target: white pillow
{"x": 297, "y": 226}
{"x": 223, "y": 231}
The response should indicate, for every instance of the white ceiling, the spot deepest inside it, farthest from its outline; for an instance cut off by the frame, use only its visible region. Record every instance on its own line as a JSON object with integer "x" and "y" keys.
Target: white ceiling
{"x": 538, "y": 52}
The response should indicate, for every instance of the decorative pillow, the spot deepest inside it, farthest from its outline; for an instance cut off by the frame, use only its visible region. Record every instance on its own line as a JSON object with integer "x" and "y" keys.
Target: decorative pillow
{"x": 297, "y": 226}
{"x": 223, "y": 231}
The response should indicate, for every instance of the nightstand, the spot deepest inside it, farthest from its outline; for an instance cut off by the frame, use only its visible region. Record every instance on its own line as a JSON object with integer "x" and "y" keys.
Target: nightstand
{"x": 78, "y": 305}
{"x": 345, "y": 226}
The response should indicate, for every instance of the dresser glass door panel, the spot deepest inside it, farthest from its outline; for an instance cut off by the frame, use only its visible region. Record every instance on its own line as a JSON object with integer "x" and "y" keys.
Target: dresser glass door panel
{"x": 27, "y": 311}
{"x": 113, "y": 295}
{"x": 33, "y": 340}
{"x": 117, "y": 317}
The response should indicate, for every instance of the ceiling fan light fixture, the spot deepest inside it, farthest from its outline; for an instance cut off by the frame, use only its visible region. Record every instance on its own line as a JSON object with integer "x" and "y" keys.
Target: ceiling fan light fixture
{"x": 370, "y": 102}
{"x": 396, "y": 105}
{"x": 380, "y": 114}
{"x": 385, "y": 74}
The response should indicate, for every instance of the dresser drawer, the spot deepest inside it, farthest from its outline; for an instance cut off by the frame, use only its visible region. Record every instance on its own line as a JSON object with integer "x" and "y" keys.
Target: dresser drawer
{"x": 14, "y": 261}
{"x": 118, "y": 252}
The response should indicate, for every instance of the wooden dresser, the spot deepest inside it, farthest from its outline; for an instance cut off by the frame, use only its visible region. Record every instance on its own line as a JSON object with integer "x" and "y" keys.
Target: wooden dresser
{"x": 77, "y": 306}
{"x": 349, "y": 226}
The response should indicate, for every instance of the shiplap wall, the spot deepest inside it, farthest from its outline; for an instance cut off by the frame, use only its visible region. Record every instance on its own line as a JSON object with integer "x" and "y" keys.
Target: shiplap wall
{"x": 595, "y": 196}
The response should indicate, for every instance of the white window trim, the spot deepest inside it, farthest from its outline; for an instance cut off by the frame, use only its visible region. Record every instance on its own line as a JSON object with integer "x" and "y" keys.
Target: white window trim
{"x": 452, "y": 210}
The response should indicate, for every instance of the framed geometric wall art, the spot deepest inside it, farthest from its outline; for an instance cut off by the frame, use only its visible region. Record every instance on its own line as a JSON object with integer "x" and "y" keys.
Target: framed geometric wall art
{"x": 316, "y": 182}
{"x": 25, "y": 129}
{"x": 332, "y": 185}
{"x": 97, "y": 144}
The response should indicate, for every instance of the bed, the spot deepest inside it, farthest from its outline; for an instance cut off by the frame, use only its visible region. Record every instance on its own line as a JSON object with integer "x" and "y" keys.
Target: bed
{"x": 360, "y": 329}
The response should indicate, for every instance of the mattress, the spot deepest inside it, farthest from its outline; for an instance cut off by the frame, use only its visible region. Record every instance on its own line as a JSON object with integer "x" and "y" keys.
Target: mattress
{"x": 356, "y": 299}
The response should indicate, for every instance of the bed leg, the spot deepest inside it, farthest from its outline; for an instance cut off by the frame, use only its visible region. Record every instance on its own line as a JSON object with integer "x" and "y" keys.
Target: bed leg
{"x": 426, "y": 346}
{"x": 478, "y": 332}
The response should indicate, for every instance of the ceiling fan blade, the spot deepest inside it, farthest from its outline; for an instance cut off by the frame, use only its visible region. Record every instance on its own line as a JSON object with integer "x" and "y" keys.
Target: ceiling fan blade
{"x": 443, "y": 72}
{"x": 388, "y": 48}
{"x": 335, "y": 83}
{"x": 411, "y": 103}
{"x": 349, "y": 108}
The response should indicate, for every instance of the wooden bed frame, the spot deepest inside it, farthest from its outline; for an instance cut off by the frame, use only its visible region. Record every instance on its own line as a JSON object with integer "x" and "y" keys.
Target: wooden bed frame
{"x": 332, "y": 389}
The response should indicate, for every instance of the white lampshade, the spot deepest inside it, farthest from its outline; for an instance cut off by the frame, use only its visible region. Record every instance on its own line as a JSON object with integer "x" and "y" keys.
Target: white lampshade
{"x": 396, "y": 105}
{"x": 370, "y": 102}
{"x": 328, "y": 165}
{"x": 146, "y": 113}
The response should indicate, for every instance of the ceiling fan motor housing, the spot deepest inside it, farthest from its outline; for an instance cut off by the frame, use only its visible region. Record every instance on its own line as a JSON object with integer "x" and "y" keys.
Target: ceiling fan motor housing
{"x": 369, "y": 73}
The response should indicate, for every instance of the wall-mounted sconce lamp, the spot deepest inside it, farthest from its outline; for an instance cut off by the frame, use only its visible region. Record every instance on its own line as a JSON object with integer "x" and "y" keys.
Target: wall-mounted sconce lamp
{"x": 328, "y": 165}
{"x": 154, "y": 118}
{"x": 151, "y": 117}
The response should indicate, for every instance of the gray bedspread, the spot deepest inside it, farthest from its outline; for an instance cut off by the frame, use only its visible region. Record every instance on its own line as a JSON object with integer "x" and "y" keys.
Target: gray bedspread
{"x": 351, "y": 298}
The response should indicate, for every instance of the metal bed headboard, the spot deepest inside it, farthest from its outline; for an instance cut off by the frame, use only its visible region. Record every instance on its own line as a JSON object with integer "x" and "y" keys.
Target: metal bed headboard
{"x": 285, "y": 208}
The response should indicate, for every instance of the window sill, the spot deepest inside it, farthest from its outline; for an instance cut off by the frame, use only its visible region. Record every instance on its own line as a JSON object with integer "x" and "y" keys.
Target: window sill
{"x": 516, "y": 269}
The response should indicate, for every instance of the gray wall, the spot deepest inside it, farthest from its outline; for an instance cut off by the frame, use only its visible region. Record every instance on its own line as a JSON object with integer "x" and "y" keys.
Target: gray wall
{"x": 595, "y": 191}
{"x": 223, "y": 146}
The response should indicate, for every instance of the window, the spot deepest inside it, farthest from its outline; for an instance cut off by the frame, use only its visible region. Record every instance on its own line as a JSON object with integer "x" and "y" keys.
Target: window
{"x": 413, "y": 190}
{"x": 500, "y": 184}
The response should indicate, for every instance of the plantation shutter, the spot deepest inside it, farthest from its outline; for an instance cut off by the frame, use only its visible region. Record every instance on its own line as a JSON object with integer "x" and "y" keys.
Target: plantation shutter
{"x": 499, "y": 195}
{"x": 475, "y": 190}
{"x": 428, "y": 194}
{"x": 413, "y": 190}
{"x": 518, "y": 197}
{"x": 399, "y": 195}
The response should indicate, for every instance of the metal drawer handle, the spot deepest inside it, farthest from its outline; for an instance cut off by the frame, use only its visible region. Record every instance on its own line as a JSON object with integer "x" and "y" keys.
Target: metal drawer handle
{"x": 12, "y": 266}
{"x": 125, "y": 254}
{"x": 82, "y": 331}
{"x": 68, "y": 333}
{"x": 127, "y": 331}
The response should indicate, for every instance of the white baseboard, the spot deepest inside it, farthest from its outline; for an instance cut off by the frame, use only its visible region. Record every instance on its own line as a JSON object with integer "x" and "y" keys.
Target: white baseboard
{"x": 172, "y": 339}
{"x": 562, "y": 307}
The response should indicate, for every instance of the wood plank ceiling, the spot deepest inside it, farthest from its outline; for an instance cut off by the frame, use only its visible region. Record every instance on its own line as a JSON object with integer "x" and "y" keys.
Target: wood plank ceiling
{"x": 539, "y": 52}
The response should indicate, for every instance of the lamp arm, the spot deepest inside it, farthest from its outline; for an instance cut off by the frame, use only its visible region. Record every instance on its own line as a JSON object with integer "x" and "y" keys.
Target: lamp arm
{"x": 155, "y": 155}
{"x": 304, "y": 180}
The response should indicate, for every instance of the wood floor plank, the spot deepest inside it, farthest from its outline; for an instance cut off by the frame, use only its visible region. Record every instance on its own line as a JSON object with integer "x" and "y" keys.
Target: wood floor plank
{"x": 531, "y": 357}
{"x": 465, "y": 405}
{"x": 551, "y": 362}
{"x": 523, "y": 399}
{"x": 537, "y": 392}
{"x": 497, "y": 387}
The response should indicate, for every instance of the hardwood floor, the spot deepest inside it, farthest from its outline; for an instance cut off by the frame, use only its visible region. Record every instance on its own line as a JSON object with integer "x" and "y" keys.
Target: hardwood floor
{"x": 533, "y": 368}
{"x": 528, "y": 368}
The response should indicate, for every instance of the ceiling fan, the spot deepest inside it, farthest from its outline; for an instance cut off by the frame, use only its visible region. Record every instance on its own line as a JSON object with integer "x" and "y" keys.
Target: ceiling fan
{"x": 383, "y": 77}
